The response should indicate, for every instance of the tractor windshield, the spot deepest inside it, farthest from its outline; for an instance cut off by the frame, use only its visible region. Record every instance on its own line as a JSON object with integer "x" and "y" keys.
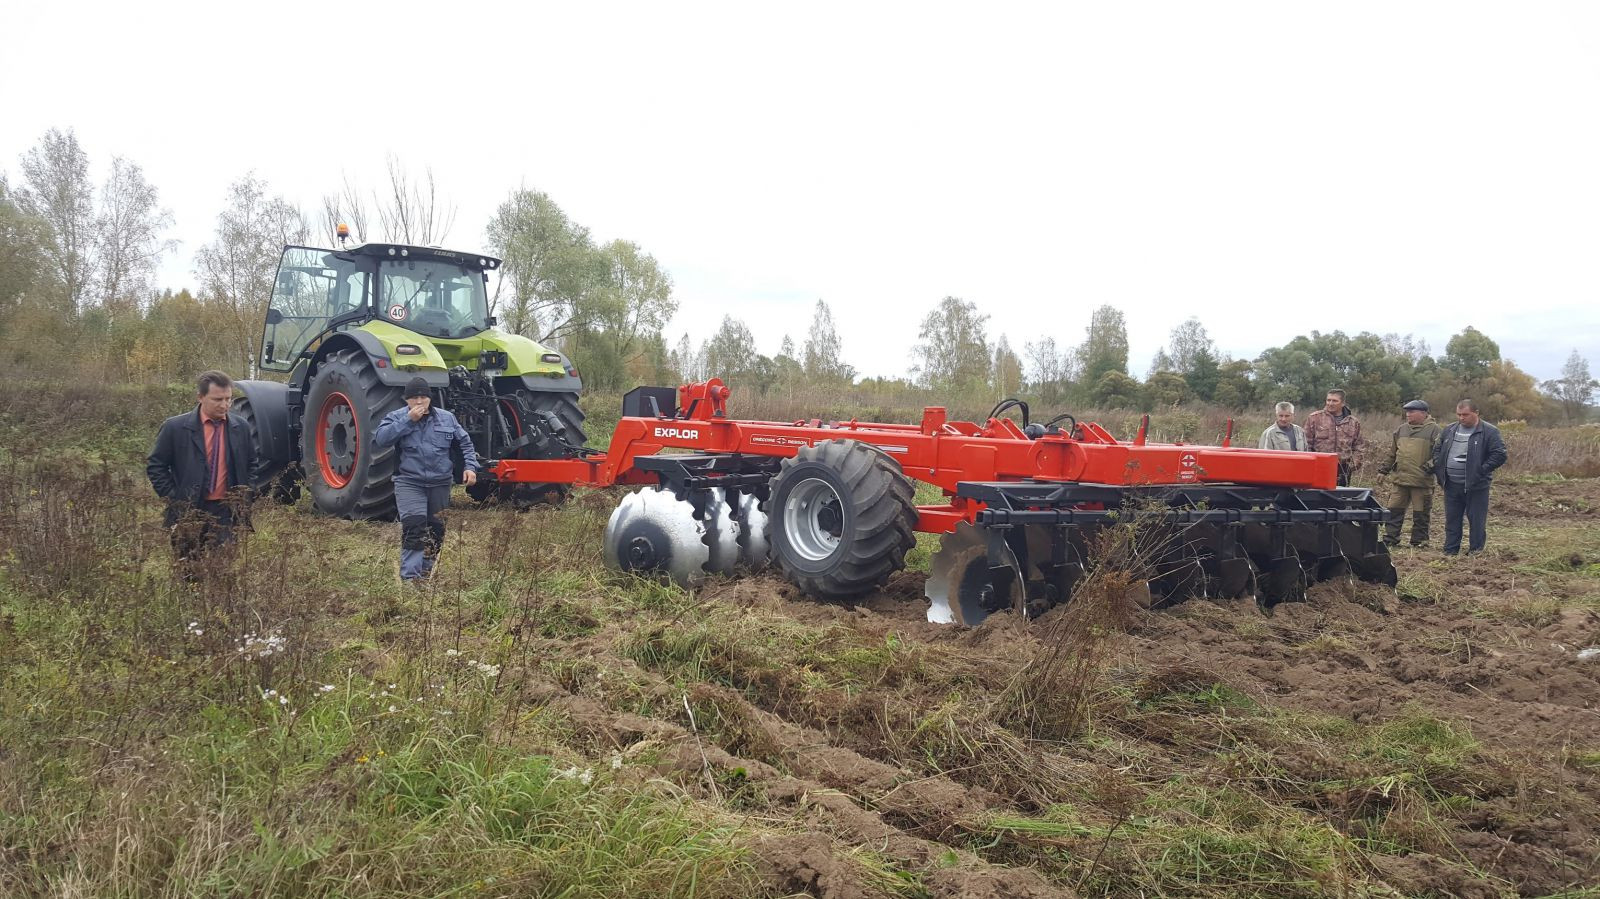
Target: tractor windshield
{"x": 433, "y": 297}
{"x": 313, "y": 288}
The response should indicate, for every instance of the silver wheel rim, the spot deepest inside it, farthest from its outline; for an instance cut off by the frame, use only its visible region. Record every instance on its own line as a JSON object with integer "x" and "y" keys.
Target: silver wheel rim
{"x": 813, "y": 506}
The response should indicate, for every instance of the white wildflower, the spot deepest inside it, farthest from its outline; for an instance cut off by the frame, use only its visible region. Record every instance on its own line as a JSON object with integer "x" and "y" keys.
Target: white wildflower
{"x": 283, "y": 700}
{"x": 393, "y": 709}
{"x": 616, "y": 761}
{"x": 261, "y": 647}
{"x": 585, "y": 777}
{"x": 325, "y": 688}
{"x": 451, "y": 653}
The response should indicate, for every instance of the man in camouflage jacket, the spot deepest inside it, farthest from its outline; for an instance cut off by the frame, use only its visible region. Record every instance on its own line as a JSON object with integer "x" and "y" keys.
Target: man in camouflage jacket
{"x": 1333, "y": 429}
{"x": 1408, "y": 461}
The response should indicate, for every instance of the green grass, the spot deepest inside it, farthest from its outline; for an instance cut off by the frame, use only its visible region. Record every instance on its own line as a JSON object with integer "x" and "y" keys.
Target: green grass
{"x": 1421, "y": 586}
{"x": 361, "y": 791}
{"x": 376, "y": 749}
{"x": 1185, "y": 837}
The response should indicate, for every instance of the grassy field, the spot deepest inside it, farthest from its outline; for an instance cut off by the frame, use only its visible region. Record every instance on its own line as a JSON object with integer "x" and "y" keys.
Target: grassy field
{"x": 530, "y": 724}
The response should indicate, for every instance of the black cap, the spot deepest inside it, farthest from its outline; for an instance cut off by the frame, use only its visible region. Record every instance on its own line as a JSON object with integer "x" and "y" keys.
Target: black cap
{"x": 417, "y": 387}
{"x": 1418, "y": 405}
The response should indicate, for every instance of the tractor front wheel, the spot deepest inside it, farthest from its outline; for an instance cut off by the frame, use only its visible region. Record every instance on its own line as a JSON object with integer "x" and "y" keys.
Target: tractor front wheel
{"x": 840, "y": 519}
{"x": 348, "y": 476}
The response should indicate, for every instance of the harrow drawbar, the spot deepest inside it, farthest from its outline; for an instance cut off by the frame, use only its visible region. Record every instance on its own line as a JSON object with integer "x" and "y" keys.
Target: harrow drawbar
{"x": 831, "y": 505}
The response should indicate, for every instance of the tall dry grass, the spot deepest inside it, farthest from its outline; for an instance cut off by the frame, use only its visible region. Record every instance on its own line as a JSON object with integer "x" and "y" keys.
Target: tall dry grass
{"x": 1568, "y": 452}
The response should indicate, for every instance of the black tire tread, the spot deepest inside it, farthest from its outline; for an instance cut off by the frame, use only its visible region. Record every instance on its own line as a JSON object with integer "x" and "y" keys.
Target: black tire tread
{"x": 565, "y": 406}
{"x": 375, "y": 495}
{"x": 278, "y": 480}
{"x": 884, "y": 517}
{"x": 265, "y": 473}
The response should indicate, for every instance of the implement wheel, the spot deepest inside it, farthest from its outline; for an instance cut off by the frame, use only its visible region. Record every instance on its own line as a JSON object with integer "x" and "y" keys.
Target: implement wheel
{"x": 346, "y": 474}
{"x": 840, "y": 519}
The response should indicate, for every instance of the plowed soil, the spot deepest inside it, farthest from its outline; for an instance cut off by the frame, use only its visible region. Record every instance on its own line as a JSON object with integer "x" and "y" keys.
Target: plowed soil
{"x": 826, "y": 724}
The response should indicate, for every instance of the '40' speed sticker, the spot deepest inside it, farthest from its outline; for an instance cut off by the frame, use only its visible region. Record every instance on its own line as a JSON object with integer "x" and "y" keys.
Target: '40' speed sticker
{"x": 397, "y": 312}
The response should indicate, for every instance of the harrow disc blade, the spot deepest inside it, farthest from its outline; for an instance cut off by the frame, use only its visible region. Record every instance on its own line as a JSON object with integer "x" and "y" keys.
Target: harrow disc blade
{"x": 1181, "y": 570}
{"x": 1050, "y": 585}
{"x": 721, "y": 536}
{"x": 962, "y": 588}
{"x": 1376, "y": 567}
{"x": 754, "y": 548}
{"x": 1236, "y": 577}
{"x": 1282, "y": 580}
{"x": 651, "y": 531}
{"x": 1366, "y": 554}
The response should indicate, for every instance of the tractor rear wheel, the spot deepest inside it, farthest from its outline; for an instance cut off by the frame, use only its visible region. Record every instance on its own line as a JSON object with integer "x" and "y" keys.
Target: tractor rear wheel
{"x": 513, "y": 407}
{"x": 277, "y": 479}
{"x": 840, "y": 518}
{"x": 347, "y": 475}
{"x": 564, "y": 405}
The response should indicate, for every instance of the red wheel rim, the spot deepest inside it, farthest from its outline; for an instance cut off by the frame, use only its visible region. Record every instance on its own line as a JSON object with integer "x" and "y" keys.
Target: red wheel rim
{"x": 510, "y": 407}
{"x": 338, "y": 440}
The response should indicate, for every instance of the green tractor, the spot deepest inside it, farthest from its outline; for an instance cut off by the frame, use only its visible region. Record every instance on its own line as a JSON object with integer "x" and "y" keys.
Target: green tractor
{"x": 350, "y": 328}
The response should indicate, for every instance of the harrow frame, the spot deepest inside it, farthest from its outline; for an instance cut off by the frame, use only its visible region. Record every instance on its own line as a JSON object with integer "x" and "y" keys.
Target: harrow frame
{"x": 1000, "y": 478}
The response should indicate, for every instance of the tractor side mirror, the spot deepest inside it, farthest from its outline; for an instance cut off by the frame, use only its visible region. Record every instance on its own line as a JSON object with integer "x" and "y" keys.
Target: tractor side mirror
{"x": 493, "y": 321}
{"x": 267, "y": 352}
{"x": 273, "y": 316}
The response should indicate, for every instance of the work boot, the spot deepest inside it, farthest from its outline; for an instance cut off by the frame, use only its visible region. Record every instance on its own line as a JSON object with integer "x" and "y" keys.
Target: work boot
{"x": 1419, "y": 529}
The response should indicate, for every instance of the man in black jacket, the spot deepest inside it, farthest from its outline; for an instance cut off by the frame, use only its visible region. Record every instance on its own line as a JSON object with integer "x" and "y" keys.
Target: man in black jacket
{"x": 202, "y": 466}
{"x": 1464, "y": 462}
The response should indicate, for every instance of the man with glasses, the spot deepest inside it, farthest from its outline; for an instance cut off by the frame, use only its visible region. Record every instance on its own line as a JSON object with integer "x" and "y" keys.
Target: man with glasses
{"x": 202, "y": 466}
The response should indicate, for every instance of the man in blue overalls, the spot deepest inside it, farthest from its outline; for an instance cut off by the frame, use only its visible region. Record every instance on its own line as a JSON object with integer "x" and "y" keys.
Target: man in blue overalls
{"x": 422, "y": 481}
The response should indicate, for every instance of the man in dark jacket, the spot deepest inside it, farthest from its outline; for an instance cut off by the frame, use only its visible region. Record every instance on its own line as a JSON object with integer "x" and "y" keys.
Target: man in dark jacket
{"x": 202, "y": 466}
{"x": 422, "y": 483}
{"x": 1408, "y": 461}
{"x": 1469, "y": 451}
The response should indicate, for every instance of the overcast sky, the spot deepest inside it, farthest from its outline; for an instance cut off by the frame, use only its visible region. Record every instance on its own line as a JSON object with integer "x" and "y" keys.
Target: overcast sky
{"x": 1271, "y": 168}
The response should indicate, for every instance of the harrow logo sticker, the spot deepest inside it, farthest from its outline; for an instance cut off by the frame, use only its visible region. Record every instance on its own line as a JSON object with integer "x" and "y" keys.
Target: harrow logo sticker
{"x": 768, "y": 440}
{"x": 397, "y": 312}
{"x": 1188, "y": 467}
{"x": 679, "y": 433}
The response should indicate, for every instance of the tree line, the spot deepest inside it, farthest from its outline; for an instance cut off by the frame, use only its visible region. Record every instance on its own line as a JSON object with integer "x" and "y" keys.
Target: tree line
{"x": 79, "y": 262}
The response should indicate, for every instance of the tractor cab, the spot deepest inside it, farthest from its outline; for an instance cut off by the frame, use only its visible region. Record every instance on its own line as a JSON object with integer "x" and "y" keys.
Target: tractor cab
{"x": 435, "y": 293}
